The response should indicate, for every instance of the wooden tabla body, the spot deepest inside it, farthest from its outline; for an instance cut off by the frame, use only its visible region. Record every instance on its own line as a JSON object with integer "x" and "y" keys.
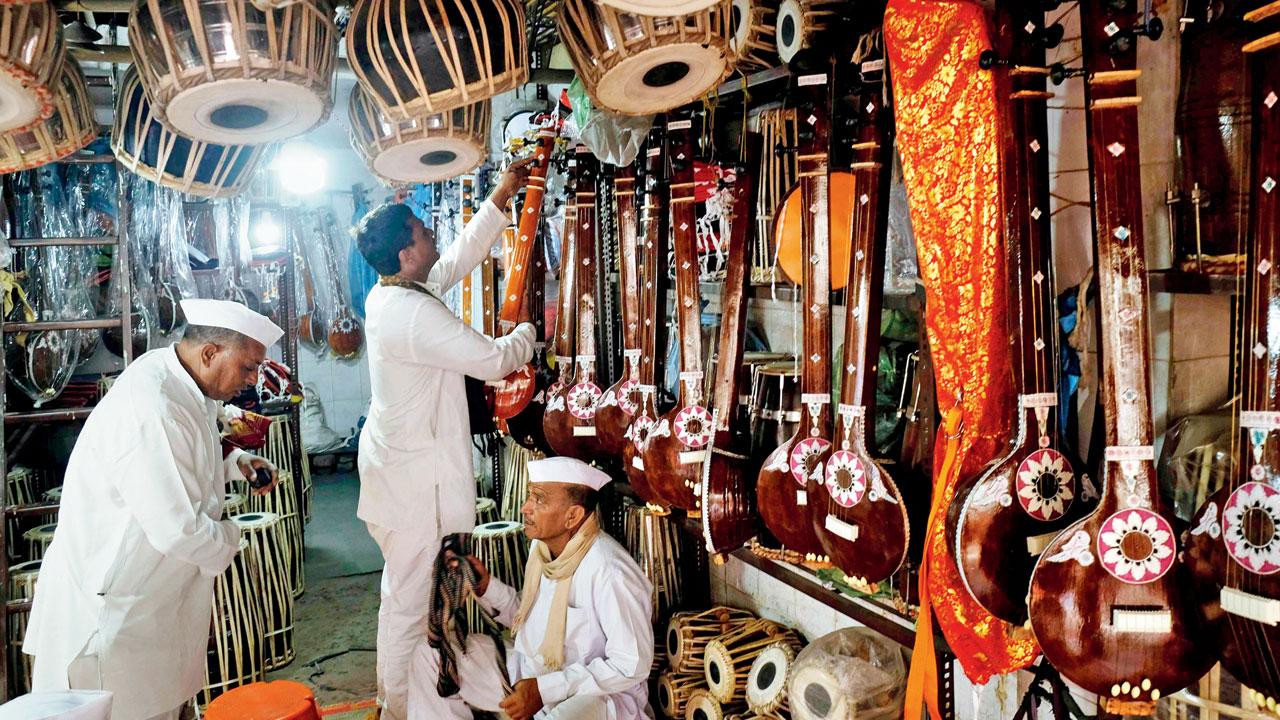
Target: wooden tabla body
{"x": 751, "y": 40}
{"x": 282, "y": 502}
{"x": 641, "y": 65}
{"x": 423, "y": 149}
{"x": 702, "y": 705}
{"x": 235, "y": 655}
{"x": 654, "y": 539}
{"x": 234, "y": 503}
{"x": 223, "y": 71}
{"x": 515, "y": 478}
{"x": 486, "y": 511}
{"x": 149, "y": 149}
{"x": 417, "y": 57}
{"x": 18, "y": 490}
{"x": 38, "y": 539}
{"x": 728, "y": 658}
{"x": 262, "y": 530}
{"x": 282, "y": 453}
{"x": 32, "y": 54}
{"x": 503, "y": 548}
{"x": 689, "y": 632}
{"x": 775, "y": 405}
{"x": 767, "y": 680}
{"x": 805, "y": 25}
{"x": 674, "y": 691}
{"x": 68, "y": 129}
{"x": 22, "y": 588}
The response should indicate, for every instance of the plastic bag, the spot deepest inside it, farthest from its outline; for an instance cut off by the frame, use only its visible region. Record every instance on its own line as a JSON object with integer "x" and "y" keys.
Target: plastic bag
{"x": 1196, "y": 460}
{"x": 847, "y": 674}
{"x": 614, "y": 139}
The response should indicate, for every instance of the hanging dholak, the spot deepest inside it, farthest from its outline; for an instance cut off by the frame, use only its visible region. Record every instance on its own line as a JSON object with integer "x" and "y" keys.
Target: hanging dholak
{"x": 620, "y": 401}
{"x": 150, "y": 150}
{"x": 417, "y": 57}
{"x": 68, "y": 129}
{"x": 1112, "y": 602}
{"x": 426, "y": 148}
{"x": 31, "y": 59}
{"x": 223, "y": 71}
{"x": 640, "y": 65}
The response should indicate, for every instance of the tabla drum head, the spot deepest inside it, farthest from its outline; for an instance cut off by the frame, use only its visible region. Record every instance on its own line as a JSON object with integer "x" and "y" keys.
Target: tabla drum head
{"x": 425, "y": 148}
{"x": 790, "y": 29}
{"x": 255, "y": 521}
{"x": 660, "y": 8}
{"x": 702, "y": 706}
{"x": 660, "y": 78}
{"x": 241, "y": 111}
{"x": 501, "y": 527}
{"x": 20, "y": 105}
{"x": 68, "y": 129}
{"x": 428, "y": 160}
{"x": 32, "y": 55}
{"x": 767, "y": 681}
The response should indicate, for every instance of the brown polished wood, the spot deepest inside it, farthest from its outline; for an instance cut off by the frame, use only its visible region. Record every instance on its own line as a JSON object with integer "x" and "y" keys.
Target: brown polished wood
{"x": 1004, "y": 515}
{"x": 1233, "y": 544}
{"x": 854, "y": 505}
{"x": 555, "y": 427}
{"x": 1111, "y": 602}
{"x": 525, "y": 427}
{"x": 620, "y": 401}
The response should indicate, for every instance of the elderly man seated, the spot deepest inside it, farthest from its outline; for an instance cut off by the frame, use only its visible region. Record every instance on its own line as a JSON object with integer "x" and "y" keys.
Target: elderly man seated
{"x": 583, "y": 621}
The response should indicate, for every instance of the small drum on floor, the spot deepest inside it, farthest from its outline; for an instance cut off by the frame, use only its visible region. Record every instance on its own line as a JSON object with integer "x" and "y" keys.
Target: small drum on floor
{"x": 423, "y": 149}
{"x": 152, "y": 151}
{"x": 416, "y": 58}
{"x": 674, "y": 691}
{"x": 729, "y": 657}
{"x": 38, "y": 539}
{"x": 283, "y": 502}
{"x": 752, "y": 39}
{"x": 641, "y": 65}
{"x": 486, "y": 511}
{"x": 848, "y": 673}
{"x": 807, "y": 24}
{"x": 234, "y": 503}
{"x": 18, "y": 490}
{"x": 703, "y": 706}
{"x": 261, "y": 529}
{"x": 31, "y": 58}
{"x": 655, "y": 541}
{"x": 689, "y": 632}
{"x": 515, "y": 477}
{"x": 278, "y": 700}
{"x": 223, "y": 71}
{"x": 22, "y": 588}
{"x": 767, "y": 681}
{"x": 235, "y": 655}
{"x": 68, "y": 129}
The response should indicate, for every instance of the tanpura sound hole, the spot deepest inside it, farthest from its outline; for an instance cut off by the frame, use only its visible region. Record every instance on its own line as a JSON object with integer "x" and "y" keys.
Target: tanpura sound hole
{"x": 238, "y": 117}
{"x": 817, "y": 699}
{"x": 694, "y": 426}
{"x": 1047, "y": 486}
{"x": 844, "y": 479}
{"x": 767, "y": 673}
{"x": 668, "y": 73}
{"x": 438, "y": 157}
{"x": 714, "y": 671}
{"x": 1259, "y": 528}
{"x": 1136, "y": 546}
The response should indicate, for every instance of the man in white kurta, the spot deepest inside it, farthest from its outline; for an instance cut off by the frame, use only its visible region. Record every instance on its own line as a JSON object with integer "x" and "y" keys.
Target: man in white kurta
{"x": 126, "y": 587}
{"x": 608, "y": 639}
{"x": 416, "y": 478}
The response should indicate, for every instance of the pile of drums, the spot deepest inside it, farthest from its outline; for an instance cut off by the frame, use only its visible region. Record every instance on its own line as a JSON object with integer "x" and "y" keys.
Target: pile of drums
{"x": 26, "y": 539}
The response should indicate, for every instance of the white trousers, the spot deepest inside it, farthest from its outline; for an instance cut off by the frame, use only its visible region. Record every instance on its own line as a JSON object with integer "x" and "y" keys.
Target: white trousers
{"x": 402, "y": 614}
{"x": 480, "y": 687}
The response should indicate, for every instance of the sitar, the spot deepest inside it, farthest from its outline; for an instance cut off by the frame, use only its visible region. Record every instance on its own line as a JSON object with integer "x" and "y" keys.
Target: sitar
{"x": 1233, "y": 545}
{"x": 729, "y": 516}
{"x": 782, "y": 486}
{"x": 1110, "y": 601}
{"x": 857, "y": 512}
{"x": 678, "y": 443}
{"x": 1003, "y": 517}
{"x": 566, "y": 317}
{"x": 619, "y": 403}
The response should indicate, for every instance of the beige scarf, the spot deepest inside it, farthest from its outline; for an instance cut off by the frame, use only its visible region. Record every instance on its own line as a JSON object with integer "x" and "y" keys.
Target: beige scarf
{"x": 561, "y": 569}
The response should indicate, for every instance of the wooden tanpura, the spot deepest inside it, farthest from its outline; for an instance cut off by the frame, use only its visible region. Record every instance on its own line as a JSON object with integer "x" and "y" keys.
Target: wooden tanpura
{"x": 1112, "y": 603}
{"x": 573, "y": 431}
{"x": 652, "y": 311}
{"x": 1233, "y": 545}
{"x": 619, "y": 403}
{"x": 1003, "y": 516}
{"x": 855, "y": 507}
{"x": 678, "y": 443}
{"x": 554, "y": 426}
{"x": 729, "y": 515}
{"x": 782, "y": 487}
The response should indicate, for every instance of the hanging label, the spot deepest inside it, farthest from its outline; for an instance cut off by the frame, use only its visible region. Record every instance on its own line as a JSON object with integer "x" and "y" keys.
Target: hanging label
{"x": 1040, "y": 400}
{"x": 840, "y": 528}
{"x": 654, "y": 152}
{"x": 1260, "y": 419}
{"x": 585, "y": 359}
{"x": 584, "y": 430}
{"x": 806, "y": 80}
{"x": 1128, "y": 453}
{"x": 873, "y": 66}
{"x": 693, "y": 457}
{"x": 815, "y": 399}
{"x": 680, "y": 125}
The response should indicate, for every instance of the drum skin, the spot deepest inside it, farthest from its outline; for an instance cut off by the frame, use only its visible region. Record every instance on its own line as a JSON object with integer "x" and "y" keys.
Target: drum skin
{"x": 68, "y": 129}
{"x": 32, "y": 55}
{"x": 424, "y": 149}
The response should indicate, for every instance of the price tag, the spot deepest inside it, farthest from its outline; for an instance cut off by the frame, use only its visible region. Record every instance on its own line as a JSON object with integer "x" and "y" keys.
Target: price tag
{"x": 584, "y": 430}
{"x": 680, "y": 125}
{"x": 871, "y": 66}
{"x": 802, "y": 497}
{"x": 806, "y": 80}
{"x": 1260, "y": 420}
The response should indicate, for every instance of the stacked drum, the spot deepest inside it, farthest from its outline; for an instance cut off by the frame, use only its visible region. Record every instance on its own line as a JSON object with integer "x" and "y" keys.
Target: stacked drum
{"x": 504, "y": 550}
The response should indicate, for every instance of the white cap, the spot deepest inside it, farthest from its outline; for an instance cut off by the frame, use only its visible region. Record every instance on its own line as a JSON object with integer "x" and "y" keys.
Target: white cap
{"x": 232, "y": 316}
{"x": 60, "y": 705}
{"x": 567, "y": 470}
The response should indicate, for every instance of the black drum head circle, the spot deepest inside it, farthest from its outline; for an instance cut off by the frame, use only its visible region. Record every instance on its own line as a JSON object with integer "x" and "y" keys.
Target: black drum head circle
{"x": 438, "y": 157}
{"x": 237, "y": 116}
{"x": 668, "y": 73}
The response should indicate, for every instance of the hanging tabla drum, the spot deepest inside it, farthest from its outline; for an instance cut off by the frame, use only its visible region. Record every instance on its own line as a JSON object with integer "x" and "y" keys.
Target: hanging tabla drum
{"x": 806, "y": 24}
{"x": 68, "y": 129}
{"x": 425, "y": 149}
{"x": 154, "y": 152}
{"x": 640, "y": 65}
{"x": 223, "y": 71}
{"x": 31, "y": 59}
{"x": 752, "y": 23}
{"x": 416, "y": 57}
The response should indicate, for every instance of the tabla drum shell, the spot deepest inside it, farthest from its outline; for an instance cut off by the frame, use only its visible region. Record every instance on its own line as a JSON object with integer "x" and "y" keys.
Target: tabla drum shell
{"x": 486, "y": 511}
{"x": 659, "y": 8}
{"x": 729, "y": 657}
{"x": 418, "y": 57}
{"x": 223, "y": 71}
{"x": 32, "y": 55}
{"x": 22, "y": 585}
{"x": 806, "y": 25}
{"x": 261, "y": 530}
{"x": 68, "y": 129}
{"x": 767, "y": 680}
{"x": 640, "y": 65}
{"x": 424, "y": 149}
{"x": 702, "y": 706}
{"x": 235, "y": 652}
{"x": 150, "y": 150}
{"x": 752, "y": 27}
{"x": 674, "y": 691}
{"x": 689, "y": 632}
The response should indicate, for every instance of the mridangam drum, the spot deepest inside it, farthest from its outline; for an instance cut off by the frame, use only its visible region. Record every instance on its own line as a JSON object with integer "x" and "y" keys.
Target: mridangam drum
{"x": 223, "y": 71}
{"x": 423, "y": 149}
{"x": 767, "y": 681}
{"x": 848, "y": 673}
{"x": 261, "y": 529}
{"x": 728, "y": 658}
{"x": 752, "y": 39}
{"x": 68, "y": 129}
{"x": 486, "y": 511}
{"x": 640, "y": 65}
{"x": 806, "y": 24}
{"x": 282, "y": 501}
{"x": 31, "y": 59}
{"x": 418, "y": 57}
{"x": 235, "y": 655}
{"x": 674, "y": 691}
{"x": 38, "y": 539}
{"x": 150, "y": 150}
{"x": 689, "y": 632}
{"x": 22, "y": 588}
{"x": 703, "y": 706}
{"x": 654, "y": 539}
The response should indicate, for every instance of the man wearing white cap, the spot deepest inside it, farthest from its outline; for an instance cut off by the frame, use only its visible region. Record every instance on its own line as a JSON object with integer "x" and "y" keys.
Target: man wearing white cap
{"x": 583, "y": 621}
{"x": 126, "y": 588}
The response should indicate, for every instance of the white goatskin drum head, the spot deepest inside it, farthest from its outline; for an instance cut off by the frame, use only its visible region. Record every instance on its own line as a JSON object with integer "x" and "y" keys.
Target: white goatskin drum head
{"x": 739, "y": 23}
{"x": 767, "y": 681}
{"x": 787, "y": 27}
{"x": 660, "y": 8}
{"x": 19, "y": 105}
{"x": 660, "y": 78}
{"x": 427, "y": 160}
{"x": 241, "y": 111}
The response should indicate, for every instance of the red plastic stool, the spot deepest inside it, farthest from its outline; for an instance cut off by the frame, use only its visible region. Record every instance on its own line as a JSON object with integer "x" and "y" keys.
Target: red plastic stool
{"x": 276, "y": 700}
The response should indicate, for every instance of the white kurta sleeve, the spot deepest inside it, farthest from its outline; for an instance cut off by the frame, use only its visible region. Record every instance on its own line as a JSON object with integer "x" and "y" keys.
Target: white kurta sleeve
{"x": 478, "y": 237}
{"x": 161, "y": 492}
{"x": 501, "y": 601}
{"x": 231, "y": 465}
{"x": 439, "y": 339}
{"x": 622, "y": 604}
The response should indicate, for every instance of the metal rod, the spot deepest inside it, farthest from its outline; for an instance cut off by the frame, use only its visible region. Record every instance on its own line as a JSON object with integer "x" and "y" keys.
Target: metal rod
{"x": 61, "y": 414}
{"x": 17, "y": 606}
{"x": 95, "y": 324}
{"x": 62, "y": 242}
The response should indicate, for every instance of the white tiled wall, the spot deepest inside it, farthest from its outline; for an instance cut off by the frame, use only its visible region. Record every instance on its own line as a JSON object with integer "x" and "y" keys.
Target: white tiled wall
{"x": 342, "y": 385}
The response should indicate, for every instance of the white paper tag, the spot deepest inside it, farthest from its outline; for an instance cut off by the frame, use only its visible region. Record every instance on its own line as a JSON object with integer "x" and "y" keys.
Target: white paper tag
{"x": 680, "y": 125}
{"x": 1039, "y": 400}
{"x": 582, "y": 149}
{"x": 815, "y": 399}
{"x": 1128, "y": 453}
{"x": 637, "y": 462}
{"x": 802, "y": 497}
{"x": 693, "y": 457}
{"x": 873, "y": 65}
{"x": 653, "y": 152}
{"x": 631, "y": 355}
{"x": 1260, "y": 420}
{"x": 584, "y": 430}
{"x": 818, "y": 79}
{"x": 840, "y": 528}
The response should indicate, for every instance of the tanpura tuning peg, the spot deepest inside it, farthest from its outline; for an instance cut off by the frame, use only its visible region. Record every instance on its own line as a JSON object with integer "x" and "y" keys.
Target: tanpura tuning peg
{"x": 1058, "y": 73}
{"x": 1049, "y": 37}
{"x": 1123, "y": 41}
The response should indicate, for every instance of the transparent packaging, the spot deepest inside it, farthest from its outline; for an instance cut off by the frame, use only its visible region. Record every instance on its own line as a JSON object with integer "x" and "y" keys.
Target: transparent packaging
{"x": 848, "y": 674}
